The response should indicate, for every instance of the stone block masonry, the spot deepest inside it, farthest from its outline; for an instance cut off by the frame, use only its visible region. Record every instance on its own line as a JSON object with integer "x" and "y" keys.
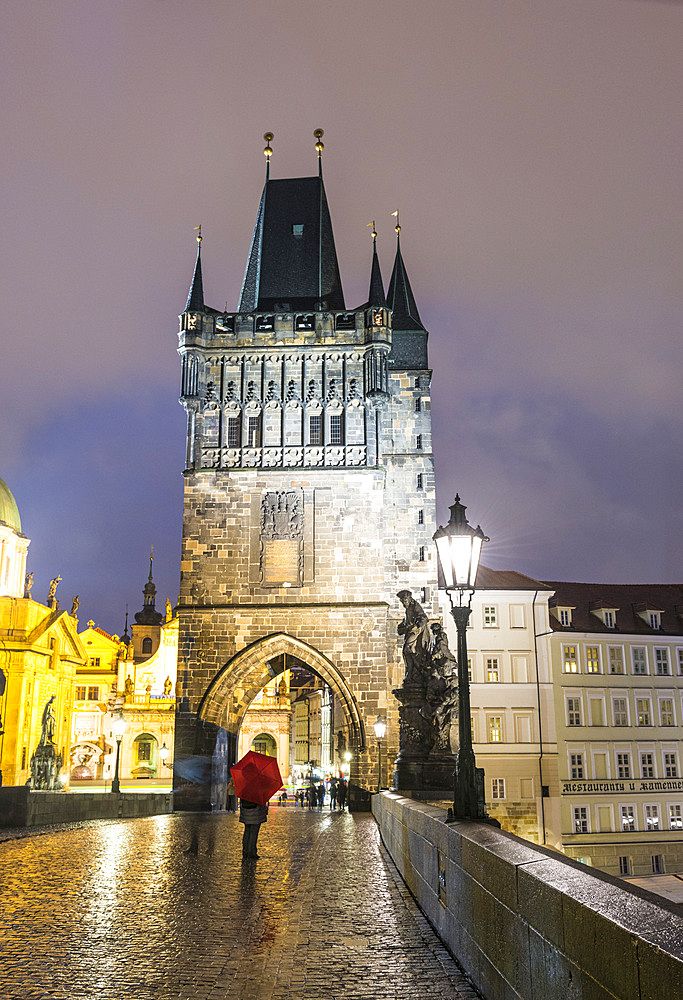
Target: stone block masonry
{"x": 526, "y": 923}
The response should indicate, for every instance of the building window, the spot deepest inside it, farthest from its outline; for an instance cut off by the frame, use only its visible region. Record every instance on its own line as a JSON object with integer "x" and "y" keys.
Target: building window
{"x": 647, "y": 766}
{"x": 418, "y": 404}
{"x": 576, "y": 766}
{"x": 573, "y": 711}
{"x": 616, "y": 660}
{"x": 652, "y": 817}
{"x": 94, "y": 661}
{"x": 623, "y": 765}
{"x": 610, "y": 619}
{"x": 620, "y": 712}
{"x": 254, "y": 432}
{"x": 144, "y": 748}
{"x": 565, "y": 617}
{"x": 670, "y": 765}
{"x": 624, "y": 865}
{"x": 422, "y": 554}
{"x": 420, "y": 517}
{"x": 336, "y": 428}
{"x": 490, "y": 616}
{"x": 469, "y": 668}
{"x": 23, "y": 758}
{"x": 147, "y": 646}
{"x": 492, "y": 669}
{"x": 580, "y": 819}
{"x": 497, "y": 788}
{"x": 418, "y": 442}
{"x": 639, "y": 657}
{"x": 666, "y": 711}
{"x": 234, "y": 432}
{"x": 570, "y": 662}
{"x": 657, "y": 863}
{"x": 420, "y": 481}
{"x": 675, "y": 817}
{"x": 315, "y": 429}
{"x": 79, "y": 694}
{"x": 93, "y": 693}
{"x": 628, "y": 818}
{"x": 424, "y": 595}
{"x": 661, "y": 661}
{"x": 495, "y": 729}
{"x": 655, "y": 619}
{"x": 679, "y": 656}
{"x": 592, "y": 660}
{"x": 644, "y": 711}
{"x": 472, "y": 729}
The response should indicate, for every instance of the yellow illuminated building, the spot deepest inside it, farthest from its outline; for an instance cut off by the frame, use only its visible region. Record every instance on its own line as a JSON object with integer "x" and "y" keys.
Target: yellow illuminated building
{"x": 40, "y": 651}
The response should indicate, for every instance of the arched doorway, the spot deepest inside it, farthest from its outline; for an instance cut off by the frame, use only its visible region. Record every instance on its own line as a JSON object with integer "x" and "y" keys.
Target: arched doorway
{"x": 225, "y": 702}
{"x": 265, "y": 743}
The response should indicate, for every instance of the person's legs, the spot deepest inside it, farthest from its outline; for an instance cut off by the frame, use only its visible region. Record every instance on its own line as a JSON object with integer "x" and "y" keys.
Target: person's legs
{"x": 245, "y": 841}
{"x": 251, "y": 834}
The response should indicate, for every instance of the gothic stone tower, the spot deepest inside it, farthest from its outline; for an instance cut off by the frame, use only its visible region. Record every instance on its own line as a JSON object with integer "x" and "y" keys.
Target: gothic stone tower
{"x": 309, "y": 484}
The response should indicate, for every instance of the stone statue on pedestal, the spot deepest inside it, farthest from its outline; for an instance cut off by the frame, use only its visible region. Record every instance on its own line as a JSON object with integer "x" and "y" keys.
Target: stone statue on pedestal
{"x": 51, "y": 599}
{"x": 46, "y": 763}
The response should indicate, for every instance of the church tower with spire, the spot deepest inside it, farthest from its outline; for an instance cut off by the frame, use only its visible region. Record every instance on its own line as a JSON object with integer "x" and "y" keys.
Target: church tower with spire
{"x": 309, "y": 483}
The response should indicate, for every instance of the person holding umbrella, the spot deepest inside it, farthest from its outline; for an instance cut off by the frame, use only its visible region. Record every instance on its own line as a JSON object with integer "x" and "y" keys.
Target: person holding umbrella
{"x": 257, "y": 778}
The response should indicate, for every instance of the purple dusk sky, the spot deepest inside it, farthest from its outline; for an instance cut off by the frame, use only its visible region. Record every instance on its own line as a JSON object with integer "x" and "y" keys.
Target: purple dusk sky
{"x": 534, "y": 150}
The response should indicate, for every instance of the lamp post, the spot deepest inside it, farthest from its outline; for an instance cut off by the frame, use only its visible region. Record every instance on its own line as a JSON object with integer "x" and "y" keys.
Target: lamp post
{"x": 163, "y": 753}
{"x": 119, "y": 728}
{"x": 380, "y": 728}
{"x": 458, "y": 547}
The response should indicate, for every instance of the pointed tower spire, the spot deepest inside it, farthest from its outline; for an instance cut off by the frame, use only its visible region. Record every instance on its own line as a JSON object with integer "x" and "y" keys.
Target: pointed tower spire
{"x": 400, "y": 298}
{"x": 376, "y": 296}
{"x": 195, "y": 299}
{"x": 319, "y": 146}
{"x": 126, "y": 637}
{"x": 149, "y": 615}
{"x": 268, "y": 152}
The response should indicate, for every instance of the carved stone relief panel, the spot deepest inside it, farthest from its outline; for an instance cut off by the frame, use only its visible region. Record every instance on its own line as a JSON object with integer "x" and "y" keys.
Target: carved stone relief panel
{"x": 282, "y": 531}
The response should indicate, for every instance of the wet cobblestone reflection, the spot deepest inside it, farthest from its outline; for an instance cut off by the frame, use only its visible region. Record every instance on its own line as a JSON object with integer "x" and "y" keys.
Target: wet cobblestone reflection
{"x": 117, "y": 910}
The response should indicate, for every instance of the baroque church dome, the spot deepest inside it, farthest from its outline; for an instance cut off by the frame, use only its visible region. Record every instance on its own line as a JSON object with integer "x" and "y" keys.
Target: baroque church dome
{"x": 9, "y": 512}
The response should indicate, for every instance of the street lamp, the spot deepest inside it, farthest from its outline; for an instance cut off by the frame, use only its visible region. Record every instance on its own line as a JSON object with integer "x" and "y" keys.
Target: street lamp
{"x": 119, "y": 728}
{"x": 380, "y": 728}
{"x": 163, "y": 753}
{"x": 458, "y": 547}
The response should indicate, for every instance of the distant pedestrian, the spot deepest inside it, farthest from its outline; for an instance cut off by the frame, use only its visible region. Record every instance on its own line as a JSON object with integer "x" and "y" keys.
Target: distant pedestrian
{"x": 321, "y": 795}
{"x": 230, "y": 798}
{"x": 312, "y": 796}
{"x": 252, "y": 814}
{"x": 333, "y": 794}
{"x": 341, "y": 793}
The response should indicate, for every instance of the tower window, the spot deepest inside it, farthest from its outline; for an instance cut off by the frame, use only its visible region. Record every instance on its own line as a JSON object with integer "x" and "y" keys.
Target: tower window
{"x": 315, "y": 429}
{"x": 234, "y": 434}
{"x": 420, "y": 517}
{"x": 254, "y": 432}
{"x": 147, "y": 645}
{"x": 298, "y": 229}
{"x": 422, "y": 553}
{"x": 418, "y": 404}
{"x": 418, "y": 442}
{"x": 336, "y": 428}
{"x": 420, "y": 481}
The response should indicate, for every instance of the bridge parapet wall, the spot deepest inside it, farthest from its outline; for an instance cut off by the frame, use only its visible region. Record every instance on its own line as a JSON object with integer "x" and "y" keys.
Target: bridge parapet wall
{"x": 525, "y": 922}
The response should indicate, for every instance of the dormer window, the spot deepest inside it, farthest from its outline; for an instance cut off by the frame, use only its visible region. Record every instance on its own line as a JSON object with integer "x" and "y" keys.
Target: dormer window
{"x": 654, "y": 619}
{"x": 565, "y": 616}
{"x": 606, "y": 614}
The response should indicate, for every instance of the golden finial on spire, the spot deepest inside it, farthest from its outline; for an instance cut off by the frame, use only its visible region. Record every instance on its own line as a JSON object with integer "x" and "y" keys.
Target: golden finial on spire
{"x": 397, "y": 227}
{"x": 198, "y": 230}
{"x": 319, "y": 146}
{"x": 374, "y": 231}
{"x": 268, "y": 152}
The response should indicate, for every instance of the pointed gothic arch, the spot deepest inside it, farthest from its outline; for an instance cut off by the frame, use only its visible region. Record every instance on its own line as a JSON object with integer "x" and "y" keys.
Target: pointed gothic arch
{"x": 236, "y": 685}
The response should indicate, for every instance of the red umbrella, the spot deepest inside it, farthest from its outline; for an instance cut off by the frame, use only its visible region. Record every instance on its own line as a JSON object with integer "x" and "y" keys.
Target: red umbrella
{"x": 256, "y": 777}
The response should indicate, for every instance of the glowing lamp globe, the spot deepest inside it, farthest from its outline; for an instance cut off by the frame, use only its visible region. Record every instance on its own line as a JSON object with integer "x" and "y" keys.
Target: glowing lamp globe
{"x": 458, "y": 548}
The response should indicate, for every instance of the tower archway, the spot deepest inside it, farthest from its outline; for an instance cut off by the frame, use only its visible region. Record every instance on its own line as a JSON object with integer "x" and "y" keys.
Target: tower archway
{"x": 236, "y": 685}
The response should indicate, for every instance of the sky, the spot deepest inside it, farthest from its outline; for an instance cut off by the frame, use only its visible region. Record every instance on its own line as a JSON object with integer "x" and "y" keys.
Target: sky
{"x": 533, "y": 148}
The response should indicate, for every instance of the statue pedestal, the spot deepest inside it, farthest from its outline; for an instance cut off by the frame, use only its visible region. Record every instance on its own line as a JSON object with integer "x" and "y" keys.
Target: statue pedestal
{"x": 46, "y": 764}
{"x": 430, "y": 778}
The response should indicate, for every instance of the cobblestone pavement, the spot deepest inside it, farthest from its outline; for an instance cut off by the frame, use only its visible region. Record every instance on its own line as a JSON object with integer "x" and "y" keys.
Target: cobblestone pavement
{"x": 116, "y": 910}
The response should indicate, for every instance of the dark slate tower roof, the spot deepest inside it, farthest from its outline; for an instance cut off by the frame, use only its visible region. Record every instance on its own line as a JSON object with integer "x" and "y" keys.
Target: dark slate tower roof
{"x": 292, "y": 264}
{"x": 400, "y": 298}
{"x": 195, "y": 298}
{"x": 376, "y": 296}
{"x": 409, "y": 338}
